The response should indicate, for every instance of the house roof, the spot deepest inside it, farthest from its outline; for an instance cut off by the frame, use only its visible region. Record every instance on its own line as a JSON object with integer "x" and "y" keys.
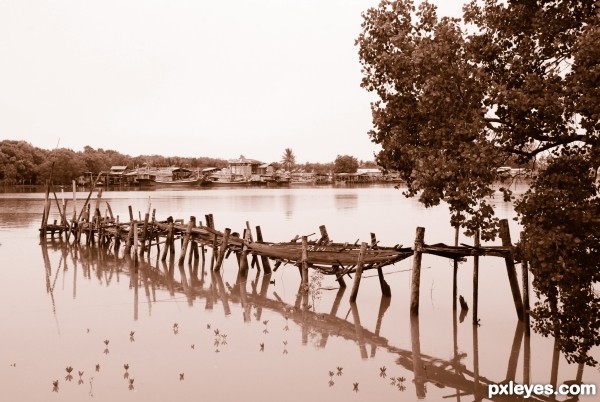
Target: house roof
{"x": 242, "y": 160}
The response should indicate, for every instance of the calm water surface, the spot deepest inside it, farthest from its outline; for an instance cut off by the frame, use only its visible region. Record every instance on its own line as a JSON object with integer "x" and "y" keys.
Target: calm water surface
{"x": 188, "y": 334}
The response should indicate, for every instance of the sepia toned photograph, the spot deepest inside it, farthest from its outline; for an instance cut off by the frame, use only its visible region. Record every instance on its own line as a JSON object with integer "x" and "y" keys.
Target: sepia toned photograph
{"x": 285, "y": 200}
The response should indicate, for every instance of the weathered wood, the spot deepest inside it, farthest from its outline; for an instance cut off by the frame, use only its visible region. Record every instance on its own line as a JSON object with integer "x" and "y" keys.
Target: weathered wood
{"x": 476, "y": 281}
{"x": 144, "y": 233}
{"x": 243, "y": 256}
{"x": 385, "y": 287}
{"x": 358, "y": 273}
{"x": 193, "y": 245}
{"x": 304, "y": 264}
{"x": 525, "y": 283}
{"x": 223, "y": 249}
{"x": 135, "y": 244}
{"x": 455, "y": 270}
{"x": 265, "y": 260}
{"x": 418, "y": 366}
{"x": 168, "y": 243}
{"x": 186, "y": 240}
{"x": 324, "y": 236}
{"x": 510, "y": 269}
{"x": 339, "y": 278}
{"x": 416, "y": 271}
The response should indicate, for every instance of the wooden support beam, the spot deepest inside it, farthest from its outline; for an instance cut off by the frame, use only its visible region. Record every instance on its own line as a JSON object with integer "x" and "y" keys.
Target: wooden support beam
{"x": 265, "y": 260}
{"x": 358, "y": 273}
{"x": 416, "y": 271}
{"x": 304, "y": 264}
{"x": 510, "y": 269}
{"x": 455, "y": 270}
{"x": 186, "y": 240}
{"x": 476, "y": 280}
{"x": 223, "y": 249}
{"x": 168, "y": 242}
{"x": 525, "y": 280}
{"x": 385, "y": 287}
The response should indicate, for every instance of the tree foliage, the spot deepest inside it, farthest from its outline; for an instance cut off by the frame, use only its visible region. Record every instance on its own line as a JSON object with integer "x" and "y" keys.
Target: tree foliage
{"x": 22, "y": 163}
{"x": 345, "y": 164}
{"x": 562, "y": 244}
{"x": 288, "y": 159}
{"x": 512, "y": 81}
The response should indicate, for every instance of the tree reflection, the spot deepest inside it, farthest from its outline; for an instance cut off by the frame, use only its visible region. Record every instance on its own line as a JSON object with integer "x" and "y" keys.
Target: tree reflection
{"x": 103, "y": 267}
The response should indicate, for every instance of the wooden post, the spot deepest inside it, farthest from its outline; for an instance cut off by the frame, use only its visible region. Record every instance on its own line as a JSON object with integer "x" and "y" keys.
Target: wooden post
{"x": 385, "y": 288}
{"x": 186, "y": 241}
{"x": 215, "y": 250}
{"x": 265, "y": 260}
{"x": 223, "y": 248}
{"x": 525, "y": 278}
{"x": 209, "y": 221}
{"x": 304, "y": 264}
{"x": 46, "y": 211}
{"x": 476, "y": 279}
{"x": 510, "y": 269}
{"x": 416, "y": 271}
{"x": 340, "y": 279}
{"x": 324, "y": 236}
{"x": 129, "y": 241}
{"x": 135, "y": 245}
{"x": 192, "y": 244}
{"x": 144, "y": 233}
{"x": 251, "y": 240}
{"x": 168, "y": 242}
{"x": 243, "y": 257}
{"x": 358, "y": 273}
{"x": 417, "y": 360}
{"x": 455, "y": 271}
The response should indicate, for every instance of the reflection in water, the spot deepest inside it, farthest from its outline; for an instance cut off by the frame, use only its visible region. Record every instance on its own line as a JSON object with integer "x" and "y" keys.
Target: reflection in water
{"x": 288, "y": 204}
{"x": 346, "y": 201}
{"x": 188, "y": 282}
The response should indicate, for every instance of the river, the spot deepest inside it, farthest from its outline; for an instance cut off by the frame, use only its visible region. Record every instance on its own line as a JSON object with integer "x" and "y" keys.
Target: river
{"x": 189, "y": 334}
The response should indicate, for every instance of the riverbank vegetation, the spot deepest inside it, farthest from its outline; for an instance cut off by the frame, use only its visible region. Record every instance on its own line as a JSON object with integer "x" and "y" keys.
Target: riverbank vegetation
{"x": 24, "y": 164}
{"x": 458, "y": 98}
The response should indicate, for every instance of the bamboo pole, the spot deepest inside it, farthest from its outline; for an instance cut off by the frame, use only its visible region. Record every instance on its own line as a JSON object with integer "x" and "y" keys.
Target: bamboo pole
{"x": 416, "y": 271}
{"x": 358, "y": 273}
{"x": 510, "y": 269}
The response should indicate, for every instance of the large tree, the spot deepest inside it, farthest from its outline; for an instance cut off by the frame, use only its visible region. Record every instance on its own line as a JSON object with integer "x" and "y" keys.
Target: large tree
{"x": 459, "y": 98}
{"x": 345, "y": 164}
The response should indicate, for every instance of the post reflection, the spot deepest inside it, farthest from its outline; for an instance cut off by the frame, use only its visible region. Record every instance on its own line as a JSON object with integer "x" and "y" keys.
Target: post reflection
{"x": 188, "y": 281}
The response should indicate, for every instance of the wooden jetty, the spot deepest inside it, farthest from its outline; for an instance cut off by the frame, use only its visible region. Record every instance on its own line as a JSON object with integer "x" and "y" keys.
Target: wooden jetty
{"x": 139, "y": 236}
{"x": 448, "y": 373}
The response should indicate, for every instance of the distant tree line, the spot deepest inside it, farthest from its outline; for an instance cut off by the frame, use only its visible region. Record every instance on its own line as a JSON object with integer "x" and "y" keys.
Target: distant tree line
{"x": 22, "y": 163}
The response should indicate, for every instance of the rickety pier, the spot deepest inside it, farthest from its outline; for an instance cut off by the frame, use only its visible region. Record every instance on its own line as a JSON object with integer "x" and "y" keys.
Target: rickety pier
{"x": 148, "y": 277}
{"x": 140, "y": 235}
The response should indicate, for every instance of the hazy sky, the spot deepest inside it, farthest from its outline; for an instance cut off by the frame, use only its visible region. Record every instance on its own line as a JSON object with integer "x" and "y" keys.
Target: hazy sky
{"x": 187, "y": 77}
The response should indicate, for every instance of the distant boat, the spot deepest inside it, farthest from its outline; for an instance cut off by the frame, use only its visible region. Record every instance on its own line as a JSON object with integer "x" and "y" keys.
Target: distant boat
{"x": 226, "y": 179}
{"x": 171, "y": 176}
